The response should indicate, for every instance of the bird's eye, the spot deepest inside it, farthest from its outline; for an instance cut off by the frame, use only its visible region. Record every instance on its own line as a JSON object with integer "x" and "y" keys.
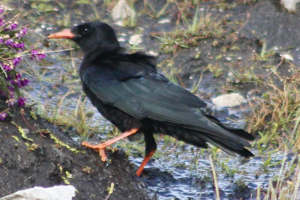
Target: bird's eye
{"x": 85, "y": 31}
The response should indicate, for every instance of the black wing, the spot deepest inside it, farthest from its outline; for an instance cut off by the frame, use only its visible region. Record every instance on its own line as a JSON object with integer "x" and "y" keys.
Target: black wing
{"x": 144, "y": 95}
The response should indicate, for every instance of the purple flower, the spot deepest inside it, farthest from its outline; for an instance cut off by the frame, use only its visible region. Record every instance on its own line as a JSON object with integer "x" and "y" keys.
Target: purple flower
{"x": 41, "y": 56}
{"x": 13, "y": 82}
{"x": 10, "y": 88}
{"x": 7, "y": 67}
{"x": 9, "y": 42}
{"x": 21, "y": 101}
{"x": 22, "y": 82}
{"x": 1, "y": 40}
{"x": 24, "y": 31}
{"x": 34, "y": 51}
{"x": 17, "y": 76}
{"x": 1, "y": 21}
{"x": 1, "y": 9}
{"x": 15, "y": 44}
{"x": 17, "y": 60}
{"x": 18, "y": 45}
{"x": 10, "y": 102}
{"x": 21, "y": 45}
{"x": 21, "y": 33}
{"x": 35, "y": 54}
{"x": 9, "y": 77}
{"x": 3, "y": 115}
{"x": 25, "y": 82}
{"x": 13, "y": 26}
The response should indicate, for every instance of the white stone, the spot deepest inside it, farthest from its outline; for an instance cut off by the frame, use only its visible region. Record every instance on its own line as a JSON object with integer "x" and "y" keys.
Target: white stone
{"x": 122, "y": 11}
{"x": 121, "y": 39}
{"x": 164, "y": 21}
{"x": 287, "y": 56}
{"x": 61, "y": 192}
{"x": 135, "y": 39}
{"x": 290, "y": 5}
{"x": 229, "y": 100}
{"x": 153, "y": 53}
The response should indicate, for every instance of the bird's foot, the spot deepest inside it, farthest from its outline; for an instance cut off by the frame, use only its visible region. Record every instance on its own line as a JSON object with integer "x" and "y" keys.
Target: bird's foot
{"x": 101, "y": 147}
{"x": 97, "y": 147}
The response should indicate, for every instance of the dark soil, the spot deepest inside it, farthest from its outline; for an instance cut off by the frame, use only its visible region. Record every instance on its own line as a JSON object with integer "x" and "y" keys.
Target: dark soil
{"x": 36, "y": 159}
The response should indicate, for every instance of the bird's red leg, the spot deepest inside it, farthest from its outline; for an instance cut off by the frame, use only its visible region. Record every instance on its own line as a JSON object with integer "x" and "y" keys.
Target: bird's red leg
{"x": 101, "y": 147}
{"x": 145, "y": 161}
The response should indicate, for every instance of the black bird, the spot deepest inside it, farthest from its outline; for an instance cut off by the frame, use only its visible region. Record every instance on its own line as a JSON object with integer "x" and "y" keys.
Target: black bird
{"x": 128, "y": 90}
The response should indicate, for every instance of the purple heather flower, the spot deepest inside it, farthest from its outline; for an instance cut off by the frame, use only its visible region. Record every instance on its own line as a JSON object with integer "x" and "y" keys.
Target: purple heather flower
{"x": 21, "y": 101}
{"x": 35, "y": 54}
{"x": 1, "y": 9}
{"x": 1, "y": 40}
{"x": 9, "y": 42}
{"x": 17, "y": 76}
{"x": 21, "y": 45}
{"x": 13, "y": 26}
{"x": 18, "y": 45}
{"x": 25, "y": 82}
{"x": 41, "y": 56}
{"x": 7, "y": 67}
{"x": 10, "y": 102}
{"x": 15, "y": 44}
{"x": 17, "y": 60}
{"x": 22, "y": 82}
{"x": 10, "y": 88}
{"x": 24, "y": 30}
{"x": 9, "y": 77}
{"x": 13, "y": 82}
{"x": 34, "y": 51}
{"x": 3, "y": 116}
{"x": 1, "y": 21}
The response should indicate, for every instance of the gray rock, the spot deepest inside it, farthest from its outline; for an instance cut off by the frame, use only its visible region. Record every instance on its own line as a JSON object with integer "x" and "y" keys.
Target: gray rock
{"x": 229, "y": 100}
{"x": 61, "y": 192}
{"x": 290, "y": 5}
{"x": 135, "y": 39}
{"x": 122, "y": 11}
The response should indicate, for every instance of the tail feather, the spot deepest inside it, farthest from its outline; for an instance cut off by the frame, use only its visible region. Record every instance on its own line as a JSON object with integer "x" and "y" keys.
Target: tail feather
{"x": 239, "y": 132}
{"x": 231, "y": 140}
{"x": 232, "y": 147}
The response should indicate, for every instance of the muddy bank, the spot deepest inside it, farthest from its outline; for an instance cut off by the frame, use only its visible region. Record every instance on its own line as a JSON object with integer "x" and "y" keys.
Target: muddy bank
{"x": 35, "y": 153}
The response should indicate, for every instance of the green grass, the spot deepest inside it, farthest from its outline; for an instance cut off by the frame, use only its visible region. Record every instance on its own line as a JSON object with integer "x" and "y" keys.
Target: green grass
{"x": 202, "y": 25}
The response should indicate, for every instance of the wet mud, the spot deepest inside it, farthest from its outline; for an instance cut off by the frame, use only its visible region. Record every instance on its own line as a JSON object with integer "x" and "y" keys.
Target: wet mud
{"x": 33, "y": 152}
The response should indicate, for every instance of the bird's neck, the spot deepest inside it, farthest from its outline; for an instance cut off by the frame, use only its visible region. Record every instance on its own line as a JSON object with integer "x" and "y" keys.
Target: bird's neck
{"x": 103, "y": 55}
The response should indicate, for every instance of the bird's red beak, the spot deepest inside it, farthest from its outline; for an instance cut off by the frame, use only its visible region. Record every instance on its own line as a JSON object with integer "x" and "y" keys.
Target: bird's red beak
{"x": 62, "y": 34}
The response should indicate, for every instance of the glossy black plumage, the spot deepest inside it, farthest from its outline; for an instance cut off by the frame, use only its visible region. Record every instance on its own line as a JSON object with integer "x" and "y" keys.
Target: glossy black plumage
{"x": 128, "y": 90}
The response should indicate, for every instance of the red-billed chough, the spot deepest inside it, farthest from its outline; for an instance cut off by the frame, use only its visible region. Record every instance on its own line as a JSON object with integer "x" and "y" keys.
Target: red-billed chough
{"x": 128, "y": 90}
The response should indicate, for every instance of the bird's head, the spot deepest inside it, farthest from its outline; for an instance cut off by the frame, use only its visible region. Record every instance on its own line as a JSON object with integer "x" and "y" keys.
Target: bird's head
{"x": 91, "y": 36}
